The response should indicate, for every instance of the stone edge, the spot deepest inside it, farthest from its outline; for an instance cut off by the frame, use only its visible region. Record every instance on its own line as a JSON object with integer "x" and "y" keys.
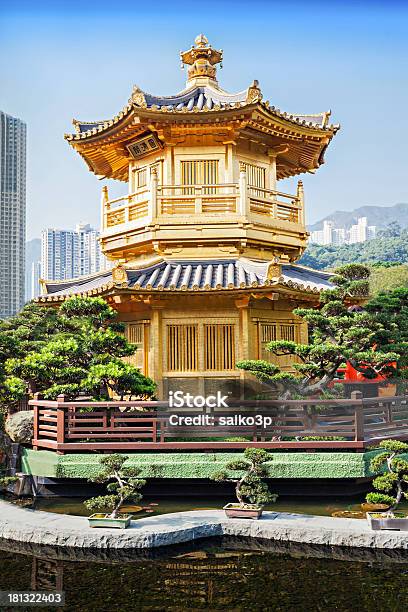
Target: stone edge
{"x": 36, "y": 527}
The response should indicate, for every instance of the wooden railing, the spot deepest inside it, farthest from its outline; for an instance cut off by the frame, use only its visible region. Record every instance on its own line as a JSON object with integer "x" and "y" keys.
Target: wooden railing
{"x": 239, "y": 199}
{"x": 197, "y": 199}
{"x": 66, "y": 426}
{"x": 275, "y": 204}
{"x": 128, "y": 208}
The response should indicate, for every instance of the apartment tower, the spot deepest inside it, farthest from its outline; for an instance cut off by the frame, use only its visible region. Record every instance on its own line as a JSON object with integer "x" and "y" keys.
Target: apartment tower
{"x": 12, "y": 214}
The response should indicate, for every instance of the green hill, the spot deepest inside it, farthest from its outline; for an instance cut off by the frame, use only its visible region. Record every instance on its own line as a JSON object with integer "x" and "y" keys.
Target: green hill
{"x": 387, "y": 256}
{"x": 387, "y": 249}
{"x": 386, "y": 279}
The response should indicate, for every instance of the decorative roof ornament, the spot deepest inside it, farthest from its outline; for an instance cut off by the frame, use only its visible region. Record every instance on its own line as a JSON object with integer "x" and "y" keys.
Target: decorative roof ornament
{"x": 119, "y": 276}
{"x": 137, "y": 97}
{"x": 274, "y": 271}
{"x": 202, "y": 59}
{"x": 254, "y": 94}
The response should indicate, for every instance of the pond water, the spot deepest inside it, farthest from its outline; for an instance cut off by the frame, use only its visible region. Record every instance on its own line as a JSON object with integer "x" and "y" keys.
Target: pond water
{"x": 229, "y": 574}
{"x": 320, "y": 506}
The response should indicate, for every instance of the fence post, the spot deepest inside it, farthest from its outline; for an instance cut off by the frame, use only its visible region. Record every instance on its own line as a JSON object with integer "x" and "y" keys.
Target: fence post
{"x": 359, "y": 416}
{"x": 152, "y": 206}
{"x": 300, "y": 194}
{"x": 104, "y": 208}
{"x": 243, "y": 191}
{"x": 388, "y": 411}
{"x": 36, "y": 416}
{"x": 60, "y": 422}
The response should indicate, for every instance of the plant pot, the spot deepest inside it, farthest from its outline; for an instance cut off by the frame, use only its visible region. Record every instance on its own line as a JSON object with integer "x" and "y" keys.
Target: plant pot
{"x": 366, "y": 507}
{"x": 378, "y": 521}
{"x": 351, "y": 514}
{"x": 103, "y": 520}
{"x": 249, "y": 511}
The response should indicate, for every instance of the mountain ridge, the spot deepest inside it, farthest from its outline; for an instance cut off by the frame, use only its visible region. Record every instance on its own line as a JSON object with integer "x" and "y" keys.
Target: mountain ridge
{"x": 380, "y": 216}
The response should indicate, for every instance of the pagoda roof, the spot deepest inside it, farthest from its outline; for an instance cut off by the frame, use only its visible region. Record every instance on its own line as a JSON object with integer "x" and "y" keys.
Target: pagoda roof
{"x": 193, "y": 275}
{"x": 198, "y": 99}
{"x": 299, "y": 140}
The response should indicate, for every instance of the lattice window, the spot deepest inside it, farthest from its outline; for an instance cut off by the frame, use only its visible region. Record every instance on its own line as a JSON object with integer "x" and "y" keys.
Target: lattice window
{"x": 288, "y": 332}
{"x": 182, "y": 348}
{"x": 199, "y": 172}
{"x": 256, "y": 177}
{"x": 141, "y": 178}
{"x": 268, "y": 334}
{"x": 135, "y": 335}
{"x": 219, "y": 347}
{"x": 141, "y": 175}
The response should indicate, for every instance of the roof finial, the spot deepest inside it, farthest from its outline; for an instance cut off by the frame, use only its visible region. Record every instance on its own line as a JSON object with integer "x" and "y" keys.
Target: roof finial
{"x": 202, "y": 58}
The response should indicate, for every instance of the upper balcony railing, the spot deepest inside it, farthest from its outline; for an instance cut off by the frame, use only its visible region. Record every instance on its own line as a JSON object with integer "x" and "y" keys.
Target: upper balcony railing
{"x": 185, "y": 202}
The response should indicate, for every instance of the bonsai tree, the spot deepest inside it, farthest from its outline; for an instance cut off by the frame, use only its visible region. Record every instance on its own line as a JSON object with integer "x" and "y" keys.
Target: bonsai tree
{"x": 393, "y": 483}
{"x": 122, "y": 485}
{"x": 249, "y": 486}
{"x": 337, "y": 333}
{"x": 391, "y": 309}
{"x": 12, "y": 391}
{"x": 75, "y": 349}
{"x": 120, "y": 379}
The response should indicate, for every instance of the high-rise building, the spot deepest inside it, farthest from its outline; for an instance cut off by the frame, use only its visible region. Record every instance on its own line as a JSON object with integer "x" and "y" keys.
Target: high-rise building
{"x": 35, "y": 288}
{"x": 12, "y": 214}
{"x": 360, "y": 232}
{"x": 325, "y": 235}
{"x": 66, "y": 254}
{"x": 90, "y": 255}
{"x": 59, "y": 254}
{"x": 339, "y": 236}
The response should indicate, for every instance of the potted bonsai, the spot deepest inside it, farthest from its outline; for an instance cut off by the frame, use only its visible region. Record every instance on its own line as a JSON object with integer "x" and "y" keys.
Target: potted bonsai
{"x": 251, "y": 491}
{"x": 392, "y": 485}
{"x": 122, "y": 485}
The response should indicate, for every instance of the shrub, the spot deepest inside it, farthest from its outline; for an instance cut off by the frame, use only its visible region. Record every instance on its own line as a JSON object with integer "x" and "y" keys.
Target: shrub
{"x": 322, "y": 438}
{"x": 393, "y": 483}
{"x": 122, "y": 485}
{"x": 76, "y": 349}
{"x": 249, "y": 487}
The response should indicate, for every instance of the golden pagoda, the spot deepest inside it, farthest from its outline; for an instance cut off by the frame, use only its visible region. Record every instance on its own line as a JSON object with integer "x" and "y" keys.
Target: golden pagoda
{"x": 204, "y": 244}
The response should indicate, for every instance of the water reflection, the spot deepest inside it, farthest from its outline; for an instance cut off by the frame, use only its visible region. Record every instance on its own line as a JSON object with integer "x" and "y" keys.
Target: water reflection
{"x": 47, "y": 575}
{"x": 228, "y": 574}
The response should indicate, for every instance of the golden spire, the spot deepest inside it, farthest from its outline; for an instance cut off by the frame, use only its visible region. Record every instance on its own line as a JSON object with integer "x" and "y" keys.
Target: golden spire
{"x": 202, "y": 59}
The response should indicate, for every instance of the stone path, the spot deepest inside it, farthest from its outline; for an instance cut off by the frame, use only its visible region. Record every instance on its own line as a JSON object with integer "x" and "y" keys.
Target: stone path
{"x": 32, "y": 526}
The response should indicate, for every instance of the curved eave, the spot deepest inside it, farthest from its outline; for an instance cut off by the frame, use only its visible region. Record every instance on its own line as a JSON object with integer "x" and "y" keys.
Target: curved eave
{"x": 108, "y": 127}
{"x": 111, "y": 289}
{"x": 99, "y": 146}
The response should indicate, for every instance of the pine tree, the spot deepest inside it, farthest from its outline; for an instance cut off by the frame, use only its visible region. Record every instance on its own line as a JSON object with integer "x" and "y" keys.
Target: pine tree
{"x": 393, "y": 483}
{"x": 75, "y": 349}
{"x": 338, "y": 332}
{"x": 122, "y": 484}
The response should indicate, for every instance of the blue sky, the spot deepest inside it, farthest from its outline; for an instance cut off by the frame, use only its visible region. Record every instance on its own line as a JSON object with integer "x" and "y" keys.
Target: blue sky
{"x": 64, "y": 60}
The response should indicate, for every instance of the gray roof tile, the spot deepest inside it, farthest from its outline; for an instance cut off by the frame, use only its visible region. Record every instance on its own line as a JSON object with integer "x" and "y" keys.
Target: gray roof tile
{"x": 198, "y": 274}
